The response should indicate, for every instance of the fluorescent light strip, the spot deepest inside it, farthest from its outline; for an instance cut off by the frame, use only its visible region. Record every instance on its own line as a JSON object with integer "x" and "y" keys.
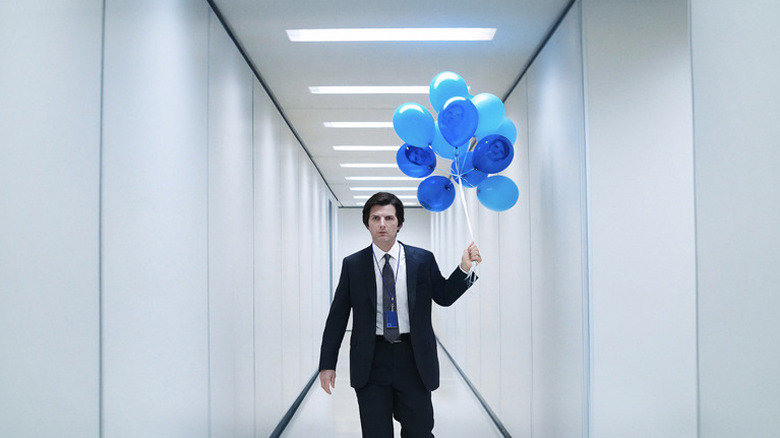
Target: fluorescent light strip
{"x": 366, "y": 148}
{"x": 393, "y": 34}
{"x": 406, "y": 203}
{"x": 358, "y": 124}
{"x": 424, "y": 89}
{"x": 380, "y": 178}
{"x": 369, "y": 165}
{"x": 414, "y": 197}
{"x": 383, "y": 189}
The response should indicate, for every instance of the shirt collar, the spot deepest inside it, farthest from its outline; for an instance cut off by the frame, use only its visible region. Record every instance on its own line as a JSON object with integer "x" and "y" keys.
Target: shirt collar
{"x": 379, "y": 254}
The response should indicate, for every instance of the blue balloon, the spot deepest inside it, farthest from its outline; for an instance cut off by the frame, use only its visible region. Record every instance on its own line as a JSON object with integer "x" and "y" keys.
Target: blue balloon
{"x": 444, "y": 86}
{"x": 462, "y": 168}
{"x": 414, "y": 124}
{"x": 458, "y": 120}
{"x": 507, "y": 129}
{"x": 416, "y": 162}
{"x": 493, "y": 154}
{"x": 444, "y": 149}
{"x": 491, "y": 113}
{"x": 498, "y": 193}
{"x": 436, "y": 193}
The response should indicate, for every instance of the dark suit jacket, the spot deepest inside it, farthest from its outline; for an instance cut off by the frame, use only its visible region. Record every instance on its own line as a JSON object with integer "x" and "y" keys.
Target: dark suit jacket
{"x": 356, "y": 291}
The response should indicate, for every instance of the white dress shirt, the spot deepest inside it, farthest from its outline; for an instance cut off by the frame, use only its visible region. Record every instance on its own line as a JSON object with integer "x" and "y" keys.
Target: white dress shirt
{"x": 401, "y": 295}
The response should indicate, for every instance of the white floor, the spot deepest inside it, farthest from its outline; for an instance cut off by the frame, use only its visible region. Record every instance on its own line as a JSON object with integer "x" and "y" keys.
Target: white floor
{"x": 457, "y": 411}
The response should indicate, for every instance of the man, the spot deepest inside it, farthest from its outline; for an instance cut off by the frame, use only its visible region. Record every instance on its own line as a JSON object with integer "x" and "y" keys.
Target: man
{"x": 389, "y": 287}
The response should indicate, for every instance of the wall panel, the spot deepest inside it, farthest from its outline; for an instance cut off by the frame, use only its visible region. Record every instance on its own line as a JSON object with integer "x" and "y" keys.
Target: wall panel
{"x": 49, "y": 218}
{"x": 641, "y": 218}
{"x": 736, "y": 101}
{"x": 556, "y": 169}
{"x": 290, "y": 256}
{"x": 514, "y": 258}
{"x": 230, "y": 234}
{"x": 268, "y": 266}
{"x": 155, "y": 309}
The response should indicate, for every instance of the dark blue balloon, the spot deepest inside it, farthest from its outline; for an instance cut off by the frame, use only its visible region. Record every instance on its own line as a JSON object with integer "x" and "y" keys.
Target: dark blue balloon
{"x": 493, "y": 153}
{"x": 458, "y": 120}
{"x": 463, "y": 168}
{"x": 436, "y": 193}
{"x": 498, "y": 193}
{"x": 415, "y": 161}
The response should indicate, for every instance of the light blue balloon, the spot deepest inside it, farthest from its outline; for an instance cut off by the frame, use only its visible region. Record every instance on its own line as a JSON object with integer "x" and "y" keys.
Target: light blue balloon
{"x": 458, "y": 120}
{"x": 507, "y": 129}
{"x": 491, "y": 113}
{"x": 416, "y": 162}
{"x": 444, "y": 86}
{"x": 444, "y": 149}
{"x": 414, "y": 124}
{"x": 462, "y": 169}
{"x": 498, "y": 193}
{"x": 436, "y": 193}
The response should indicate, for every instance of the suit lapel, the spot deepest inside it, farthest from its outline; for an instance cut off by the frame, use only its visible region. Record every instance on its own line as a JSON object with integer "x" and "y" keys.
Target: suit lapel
{"x": 411, "y": 276}
{"x": 368, "y": 267}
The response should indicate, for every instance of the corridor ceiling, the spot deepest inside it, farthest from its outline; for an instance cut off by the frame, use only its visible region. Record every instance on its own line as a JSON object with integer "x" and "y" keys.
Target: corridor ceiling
{"x": 288, "y": 68}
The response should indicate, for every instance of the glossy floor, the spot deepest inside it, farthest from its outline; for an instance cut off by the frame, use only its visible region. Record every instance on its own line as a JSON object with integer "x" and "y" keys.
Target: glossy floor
{"x": 457, "y": 411}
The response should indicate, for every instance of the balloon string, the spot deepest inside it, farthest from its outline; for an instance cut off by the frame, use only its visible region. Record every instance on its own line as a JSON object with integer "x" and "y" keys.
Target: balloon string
{"x": 470, "y": 276}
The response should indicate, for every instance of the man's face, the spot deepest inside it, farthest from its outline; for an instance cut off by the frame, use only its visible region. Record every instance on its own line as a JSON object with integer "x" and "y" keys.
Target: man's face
{"x": 383, "y": 225}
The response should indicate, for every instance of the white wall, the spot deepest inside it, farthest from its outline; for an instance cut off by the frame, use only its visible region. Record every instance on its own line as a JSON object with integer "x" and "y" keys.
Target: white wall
{"x": 231, "y": 232}
{"x": 148, "y": 285}
{"x": 49, "y": 215}
{"x": 642, "y": 235}
{"x": 736, "y": 103}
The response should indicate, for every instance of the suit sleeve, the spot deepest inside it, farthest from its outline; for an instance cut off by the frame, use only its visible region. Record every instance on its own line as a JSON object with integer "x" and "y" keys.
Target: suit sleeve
{"x": 336, "y": 324}
{"x": 447, "y": 291}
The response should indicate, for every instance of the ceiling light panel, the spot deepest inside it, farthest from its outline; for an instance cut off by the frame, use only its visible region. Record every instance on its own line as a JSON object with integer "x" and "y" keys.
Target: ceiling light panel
{"x": 369, "y": 165}
{"x": 380, "y": 178}
{"x": 389, "y": 89}
{"x": 357, "y": 148}
{"x": 392, "y": 34}
{"x": 358, "y": 124}
{"x": 383, "y": 189}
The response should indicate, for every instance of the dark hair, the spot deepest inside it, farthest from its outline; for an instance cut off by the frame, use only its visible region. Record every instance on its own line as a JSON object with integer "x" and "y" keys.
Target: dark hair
{"x": 384, "y": 198}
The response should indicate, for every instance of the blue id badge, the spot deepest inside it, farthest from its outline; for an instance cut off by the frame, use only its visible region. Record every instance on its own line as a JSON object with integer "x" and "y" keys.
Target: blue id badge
{"x": 391, "y": 317}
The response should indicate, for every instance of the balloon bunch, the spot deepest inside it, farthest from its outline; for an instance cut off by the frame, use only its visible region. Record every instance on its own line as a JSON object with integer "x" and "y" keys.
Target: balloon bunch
{"x": 472, "y": 131}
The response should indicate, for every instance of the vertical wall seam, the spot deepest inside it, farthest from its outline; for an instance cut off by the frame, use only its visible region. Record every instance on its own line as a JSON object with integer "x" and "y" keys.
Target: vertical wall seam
{"x": 254, "y": 274}
{"x": 530, "y": 254}
{"x": 587, "y": 305}
{"x": 695, "y": 223}
{"x": 101, "y": 408}
{"x": 208, "y": 227}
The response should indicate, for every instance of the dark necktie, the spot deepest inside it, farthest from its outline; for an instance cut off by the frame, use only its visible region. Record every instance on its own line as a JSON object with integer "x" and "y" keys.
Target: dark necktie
{"x": 388, "y": 286}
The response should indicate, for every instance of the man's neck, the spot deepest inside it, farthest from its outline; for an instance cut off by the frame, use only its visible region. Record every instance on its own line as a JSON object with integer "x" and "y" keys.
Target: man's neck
{"x": 382, "y": 246}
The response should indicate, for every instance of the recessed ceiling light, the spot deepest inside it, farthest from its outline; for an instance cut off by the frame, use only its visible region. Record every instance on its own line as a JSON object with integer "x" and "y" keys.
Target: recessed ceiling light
{"x": 383, "y": 189}
{"x": 388, "y": 89}
{"x": 370, "y": 165}
{"x": 393, "y": 34}
{"x": 358, "y": 124}
{"x": 406, "y": 203}
{"x": 366, "y": 148}
{"x": 412, "y": 197}
{"x": 379, "y": 178}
